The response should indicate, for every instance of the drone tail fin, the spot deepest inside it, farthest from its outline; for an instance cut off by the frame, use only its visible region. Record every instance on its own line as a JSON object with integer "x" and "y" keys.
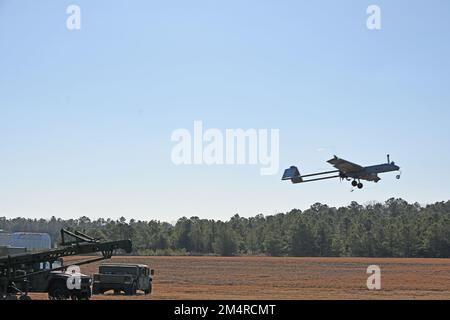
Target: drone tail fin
{"x": 292, "y": 174}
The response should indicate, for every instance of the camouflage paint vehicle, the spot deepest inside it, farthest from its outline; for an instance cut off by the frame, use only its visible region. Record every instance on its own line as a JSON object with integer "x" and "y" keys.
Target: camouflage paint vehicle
{"x": 121, "y": 277}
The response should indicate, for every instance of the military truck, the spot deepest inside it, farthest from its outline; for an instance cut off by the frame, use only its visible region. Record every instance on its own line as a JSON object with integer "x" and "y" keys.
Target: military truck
{"x": 123, "y": 277}
{"x": 43, "y": 271}
{"x": 54, "y": 282}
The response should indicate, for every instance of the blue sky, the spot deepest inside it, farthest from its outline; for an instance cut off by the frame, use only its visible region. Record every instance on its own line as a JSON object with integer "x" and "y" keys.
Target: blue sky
{"x": 86, "y": 116}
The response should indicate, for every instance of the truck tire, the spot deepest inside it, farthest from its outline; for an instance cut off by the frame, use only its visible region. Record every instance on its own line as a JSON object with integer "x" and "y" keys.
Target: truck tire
{"x": 149, "y": 290}
{"x": 58, "y": 291}
{"x": 131, "y": 290}
{"x": 96, "y": 289}
{"x": 80, "y": 296}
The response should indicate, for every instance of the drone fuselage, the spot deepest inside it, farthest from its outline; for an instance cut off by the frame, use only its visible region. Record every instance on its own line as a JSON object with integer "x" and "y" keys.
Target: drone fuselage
{"x": 370, "y": 173}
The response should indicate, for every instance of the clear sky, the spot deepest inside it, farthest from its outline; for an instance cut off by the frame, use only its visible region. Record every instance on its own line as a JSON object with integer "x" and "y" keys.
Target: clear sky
{"x": 86, "y": 115}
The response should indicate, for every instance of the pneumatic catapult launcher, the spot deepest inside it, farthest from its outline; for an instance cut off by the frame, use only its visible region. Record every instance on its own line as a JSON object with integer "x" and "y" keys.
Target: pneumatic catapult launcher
{"x": 44, "y": 271}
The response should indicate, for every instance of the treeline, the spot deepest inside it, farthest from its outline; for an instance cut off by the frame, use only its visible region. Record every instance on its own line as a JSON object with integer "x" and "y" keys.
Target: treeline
{"x": 393, "y": 229}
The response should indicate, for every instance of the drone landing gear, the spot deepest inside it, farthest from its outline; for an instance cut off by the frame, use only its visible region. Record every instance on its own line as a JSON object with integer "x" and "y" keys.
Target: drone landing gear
{"x": 357, "y": 184}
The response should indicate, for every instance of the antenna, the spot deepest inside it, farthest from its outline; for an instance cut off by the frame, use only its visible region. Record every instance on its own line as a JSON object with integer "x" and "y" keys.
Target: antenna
{"x": 388, "y": 159}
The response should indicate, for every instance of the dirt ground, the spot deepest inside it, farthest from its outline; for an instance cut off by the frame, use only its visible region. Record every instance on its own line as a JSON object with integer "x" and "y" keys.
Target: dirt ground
{"x": 286, "y": 278}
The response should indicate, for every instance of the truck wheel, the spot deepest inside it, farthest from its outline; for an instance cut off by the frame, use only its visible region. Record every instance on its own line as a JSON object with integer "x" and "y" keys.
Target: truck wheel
{"x": 98, "y": 290}
{"x": 79, "y": 296}
{"x": 82, "y": 296}
{"x": 95, "y": 290}
{"x": 58, "y": 291}
{"x": 131, "y": 291}
{"x": 149, "y": 290}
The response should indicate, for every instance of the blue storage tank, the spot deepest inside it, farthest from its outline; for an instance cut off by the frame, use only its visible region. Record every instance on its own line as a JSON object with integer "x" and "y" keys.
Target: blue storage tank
{"x": 31, "y": 241}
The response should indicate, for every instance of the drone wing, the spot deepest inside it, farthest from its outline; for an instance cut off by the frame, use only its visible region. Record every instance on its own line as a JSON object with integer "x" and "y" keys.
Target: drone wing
{"x": 344, "y": 165}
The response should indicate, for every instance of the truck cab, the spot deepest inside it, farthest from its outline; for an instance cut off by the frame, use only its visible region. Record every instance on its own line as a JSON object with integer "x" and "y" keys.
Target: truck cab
{"x": 52, "y": 277}
{"x": 123, "y": 277}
